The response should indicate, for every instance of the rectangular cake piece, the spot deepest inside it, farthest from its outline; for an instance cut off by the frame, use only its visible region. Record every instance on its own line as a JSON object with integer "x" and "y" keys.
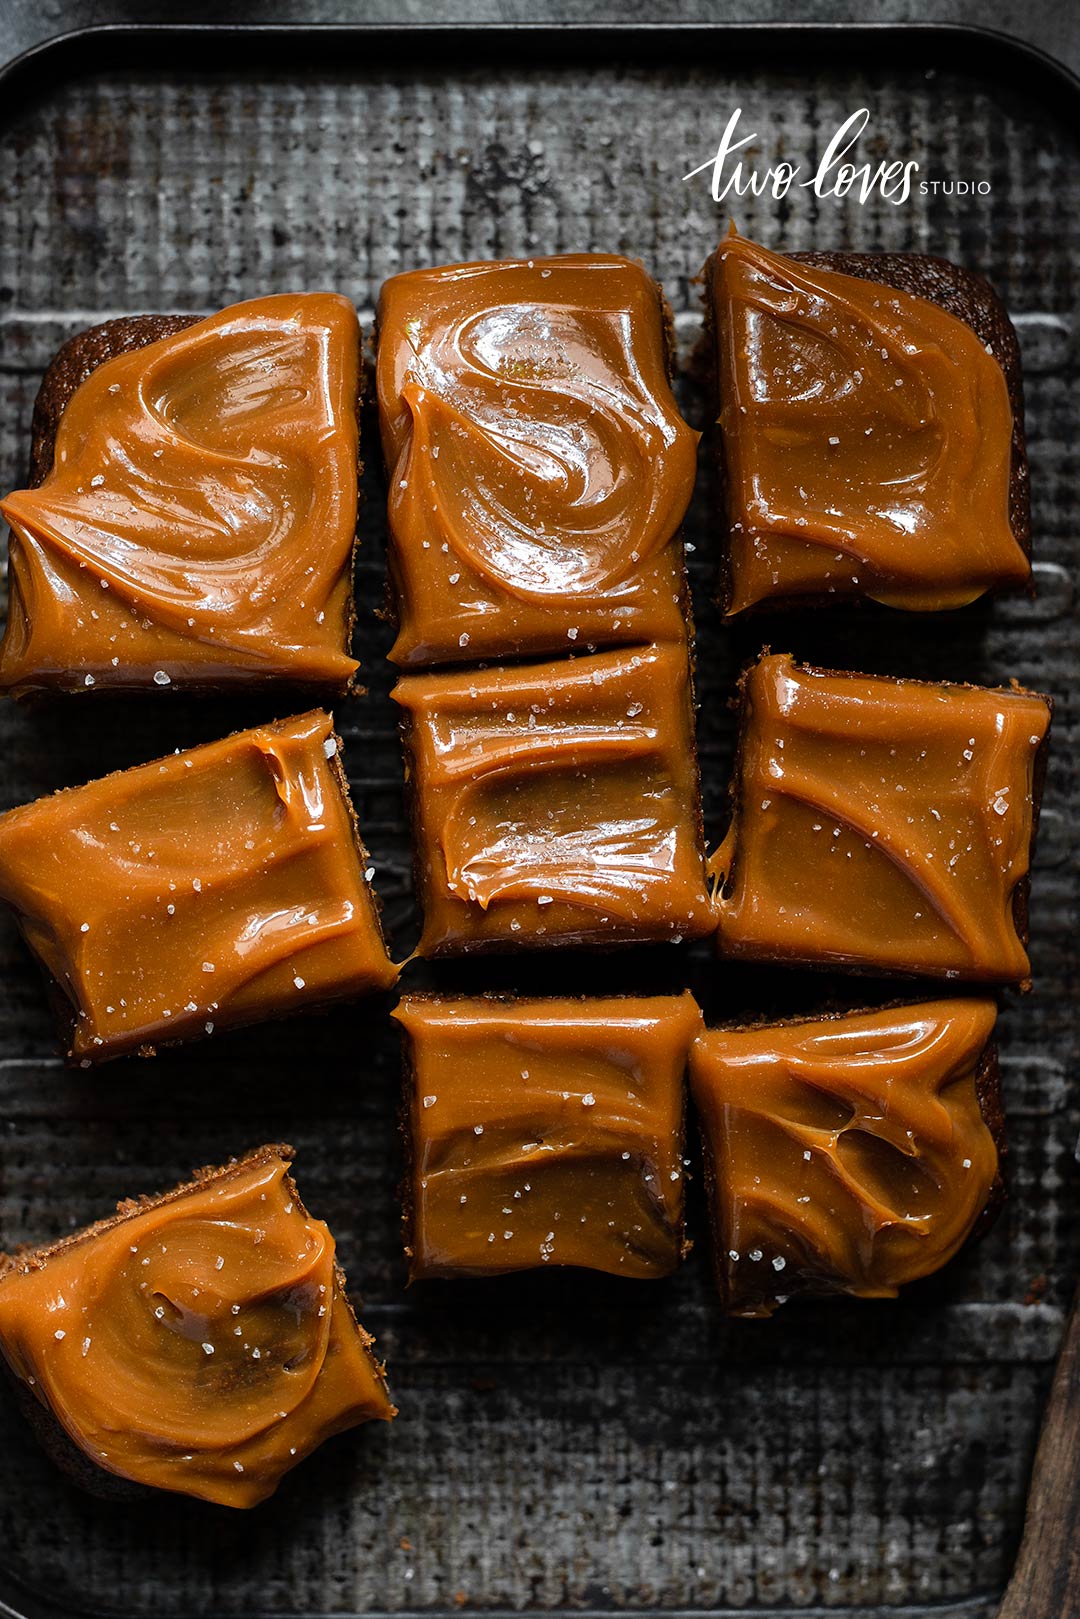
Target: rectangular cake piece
{"x": 880, "y": 824}
{"x": 191, "y": 519}
{"x": 871, "y": 426}
{"x": 218, "y": 886}
{"x": 538, "y": 466}
{"x": 556, "y": 804}
{"x": 847, "y": 1154}
{"x": 199, "y": 1342}
{"x": 545, "y": 1132}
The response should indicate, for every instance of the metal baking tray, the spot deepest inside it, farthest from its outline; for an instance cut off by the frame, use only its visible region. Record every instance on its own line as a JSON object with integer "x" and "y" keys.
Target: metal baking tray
{"x": 566, "y": 1442}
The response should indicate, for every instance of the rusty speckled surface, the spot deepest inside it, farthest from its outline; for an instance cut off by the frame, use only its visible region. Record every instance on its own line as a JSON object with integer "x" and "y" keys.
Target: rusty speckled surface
{"x": 565, "y": 1442}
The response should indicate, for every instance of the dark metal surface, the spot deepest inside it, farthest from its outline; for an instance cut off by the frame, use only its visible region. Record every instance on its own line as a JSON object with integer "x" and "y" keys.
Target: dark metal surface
{"x": 565, "y": 1441}
{"x": 1047, "y": 24}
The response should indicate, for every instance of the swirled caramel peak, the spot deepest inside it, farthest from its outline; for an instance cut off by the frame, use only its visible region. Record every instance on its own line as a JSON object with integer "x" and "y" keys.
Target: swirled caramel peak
{"x": 200, "y": 1341}
{"x": 881, "y": 824}
{"x": 218, "y": 886}
{"x": 849, "y": 1154}
{"x": 545, "y": 1132}
{"x": 198, "y": 522}
{"x": 867, "y": 432}
{"x": 557, "y": 803}
{"x": 538, "y": 465}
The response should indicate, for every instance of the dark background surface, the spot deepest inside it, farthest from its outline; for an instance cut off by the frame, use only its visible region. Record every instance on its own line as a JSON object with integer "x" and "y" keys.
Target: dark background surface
{"x": 563, "y": 1443}
{"x": 1052, "y": 25}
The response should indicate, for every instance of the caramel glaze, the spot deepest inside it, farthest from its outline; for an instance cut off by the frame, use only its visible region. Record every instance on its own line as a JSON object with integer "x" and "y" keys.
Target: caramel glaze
{"x": 847, "y": 1154}
{"x": 557, "y": 803}
{"x": 538, "y": 465}
{"x": 881, "y": 824}
{"x": 218, "y": 886}
{"x": 867, "y": 439}
{"x": 199, "y": 1342}
{"x": 198, "y": 524}
{"x": 545, "y": 1132}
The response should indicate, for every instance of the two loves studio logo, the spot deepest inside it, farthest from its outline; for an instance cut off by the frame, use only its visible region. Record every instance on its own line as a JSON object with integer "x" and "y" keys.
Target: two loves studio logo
{"x": 836, "y": 175}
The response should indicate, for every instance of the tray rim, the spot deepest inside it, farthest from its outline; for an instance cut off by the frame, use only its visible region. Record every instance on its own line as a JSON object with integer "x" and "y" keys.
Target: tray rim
{"x": 61, "y": 57}
{"x": 976, "y": 1607}
{"x": 848, "y": 37}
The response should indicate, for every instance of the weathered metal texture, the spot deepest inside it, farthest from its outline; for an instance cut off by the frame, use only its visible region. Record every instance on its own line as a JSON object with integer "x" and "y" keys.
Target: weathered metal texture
{"x": 564, "y": 1441}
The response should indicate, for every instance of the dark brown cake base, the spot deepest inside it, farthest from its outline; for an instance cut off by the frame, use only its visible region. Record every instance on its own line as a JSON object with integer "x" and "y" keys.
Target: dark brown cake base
{"x": 78, "y": 359}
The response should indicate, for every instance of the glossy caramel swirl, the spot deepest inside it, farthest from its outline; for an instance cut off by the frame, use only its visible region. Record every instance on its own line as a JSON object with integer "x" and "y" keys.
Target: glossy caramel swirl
{"x": 879, "y": 823}
{"x": 217, "y": 886}
{"x": 867, "y": 439}
{"x": 538, "y": 465}
{"x": 197, "y": 527}
{"x": 200, "y": 1342}
{"x": 846, "y": 1155}
{"x": 557, "y": 803}
{"x": 546, "y": 1132}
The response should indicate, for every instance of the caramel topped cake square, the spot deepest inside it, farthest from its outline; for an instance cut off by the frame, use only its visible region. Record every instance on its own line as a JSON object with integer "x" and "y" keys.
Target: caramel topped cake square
{"x": 192, "y": 518}
{"x": 545, "y": 1132}
{"x": 847, "y": 1154}
{"x": 885, "y": 825}
{"x": 223, "y": 885}
{"x": 871, "y": 416}
{"x": 556, "y": 804}
{"x": 200, "y": 1341}
{"x": 538, "y": 465}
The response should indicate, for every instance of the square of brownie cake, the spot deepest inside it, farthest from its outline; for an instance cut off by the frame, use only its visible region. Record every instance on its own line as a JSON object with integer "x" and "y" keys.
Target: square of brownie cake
{"x": 545, "y": 1132}
{"x": 538, "y": 467}
{"x": 191, "y": 516}
{"x": 222, "y": 885}
{"x": 556, "y": 803}
{"x": 847, "y": 1154}
{"x": 200, "y": 1341}
{"x": 881, "y": 824}
{"x": 870, "y": 429}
